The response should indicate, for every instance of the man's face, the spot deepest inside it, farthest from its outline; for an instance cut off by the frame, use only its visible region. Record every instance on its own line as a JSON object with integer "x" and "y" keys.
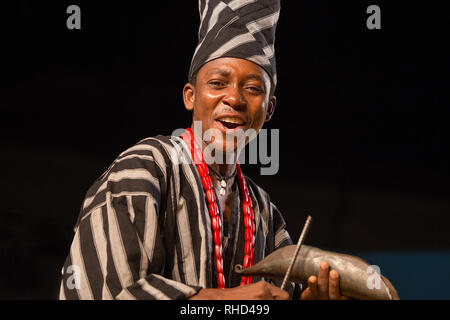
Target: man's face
{"x": 231, "y": 95}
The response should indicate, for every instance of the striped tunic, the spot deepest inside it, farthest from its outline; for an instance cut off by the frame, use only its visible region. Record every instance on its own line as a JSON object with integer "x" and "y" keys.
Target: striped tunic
{"x": 144, "y": 230}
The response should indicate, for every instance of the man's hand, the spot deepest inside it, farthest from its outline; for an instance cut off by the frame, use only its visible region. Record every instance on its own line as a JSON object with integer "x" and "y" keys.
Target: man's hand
{"x": 323, "y": 287}
{"x": 256, "y": 291}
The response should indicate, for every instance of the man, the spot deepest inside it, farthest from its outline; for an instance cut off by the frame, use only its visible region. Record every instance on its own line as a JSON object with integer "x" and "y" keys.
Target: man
{"x": 153, "y": 227}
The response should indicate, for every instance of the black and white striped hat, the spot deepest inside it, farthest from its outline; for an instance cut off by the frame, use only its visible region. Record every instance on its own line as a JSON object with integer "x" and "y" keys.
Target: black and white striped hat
{"x": 237, "y": 28}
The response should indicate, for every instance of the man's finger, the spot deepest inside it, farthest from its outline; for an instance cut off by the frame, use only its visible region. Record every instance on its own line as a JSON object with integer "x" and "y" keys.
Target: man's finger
{"x": 322, "y": 280}
{"x": 306, "y": 294}
{"x": 279, "y": 294}
{"x": 312, "y": 285}
{"x": 333, "y": 290}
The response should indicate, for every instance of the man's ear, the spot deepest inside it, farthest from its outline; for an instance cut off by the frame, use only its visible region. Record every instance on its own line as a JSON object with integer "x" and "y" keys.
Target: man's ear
{"x": 188, "y": 96}
{"x": 271, "y": 107}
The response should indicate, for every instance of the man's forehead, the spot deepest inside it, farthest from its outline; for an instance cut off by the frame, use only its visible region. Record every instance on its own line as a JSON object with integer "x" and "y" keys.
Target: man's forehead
{"x": 220, "y": 68}
{"x": 226, "y": 73}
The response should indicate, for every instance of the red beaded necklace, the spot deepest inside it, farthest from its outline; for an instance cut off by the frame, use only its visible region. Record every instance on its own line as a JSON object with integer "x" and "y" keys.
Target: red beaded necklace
{"x": 247, "y": 207}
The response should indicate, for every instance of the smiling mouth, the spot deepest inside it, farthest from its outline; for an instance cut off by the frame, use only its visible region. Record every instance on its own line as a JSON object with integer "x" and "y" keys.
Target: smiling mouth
{"x": 231, "y": 122}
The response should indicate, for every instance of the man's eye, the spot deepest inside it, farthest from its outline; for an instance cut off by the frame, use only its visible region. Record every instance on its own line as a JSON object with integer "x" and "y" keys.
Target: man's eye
{"x": 216, "y": 83}
{"x": 256, "y": 89}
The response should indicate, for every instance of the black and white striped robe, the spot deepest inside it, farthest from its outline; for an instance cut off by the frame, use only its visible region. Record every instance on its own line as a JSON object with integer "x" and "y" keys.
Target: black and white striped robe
{"x": 144, "y": 230}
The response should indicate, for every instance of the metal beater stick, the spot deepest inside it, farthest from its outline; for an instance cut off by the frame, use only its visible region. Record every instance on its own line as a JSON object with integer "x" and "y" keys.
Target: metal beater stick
{"x": 297, "y": 250}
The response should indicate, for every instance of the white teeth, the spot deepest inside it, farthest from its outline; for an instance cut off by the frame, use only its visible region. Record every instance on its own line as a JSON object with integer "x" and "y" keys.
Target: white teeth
{"x": 232, "y": 120}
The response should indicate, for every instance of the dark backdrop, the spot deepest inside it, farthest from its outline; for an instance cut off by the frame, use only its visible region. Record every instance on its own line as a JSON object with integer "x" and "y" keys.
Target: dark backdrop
{"x": 364, "y": 134}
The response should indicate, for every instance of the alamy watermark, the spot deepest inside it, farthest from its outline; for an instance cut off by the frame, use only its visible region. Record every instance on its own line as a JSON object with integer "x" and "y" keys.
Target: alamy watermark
{"x": 374, "y": 278}
{"x": 374, "y": 20}
{"x": 73, "y": 281}
{"x": 74, "y": 20}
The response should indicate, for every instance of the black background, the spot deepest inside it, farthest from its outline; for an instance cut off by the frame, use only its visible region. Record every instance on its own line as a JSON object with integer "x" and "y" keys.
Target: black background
{"x": 362, "y": 114}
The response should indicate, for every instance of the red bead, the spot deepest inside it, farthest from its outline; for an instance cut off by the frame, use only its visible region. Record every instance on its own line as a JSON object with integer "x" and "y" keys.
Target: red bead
{"x": 198, "y": 156}
{"x": 210, "y": 195}
{"x": 251, "y": 211}
{"x": 247, "y": 222}
{"x": 246, "y": 208}
{"x": 206, "y": 182}
{"x": 202, "y": 169}
{"x": 246, "y": 261}
{"x": 220, "y": 281}
{"x": 243, "y": 281}
{"x": 195, "y": 157}
{"x": 248, "y": 248}
{"x": 244, "y": 197}
{"x": 218, "y": 250}
{"x": 219, "y": 266}
{"x": 213, "y": 210}
{"x": 195, "y": 143}
{"x": 249, "y": 280}
{"x": 215, "y": 222}
{"x": 217, "y": 239}
{"x": 248, "y": 234}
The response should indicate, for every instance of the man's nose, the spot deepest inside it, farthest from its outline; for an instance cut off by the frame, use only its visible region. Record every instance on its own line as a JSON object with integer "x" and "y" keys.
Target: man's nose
{"x": 234, "y": 97}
